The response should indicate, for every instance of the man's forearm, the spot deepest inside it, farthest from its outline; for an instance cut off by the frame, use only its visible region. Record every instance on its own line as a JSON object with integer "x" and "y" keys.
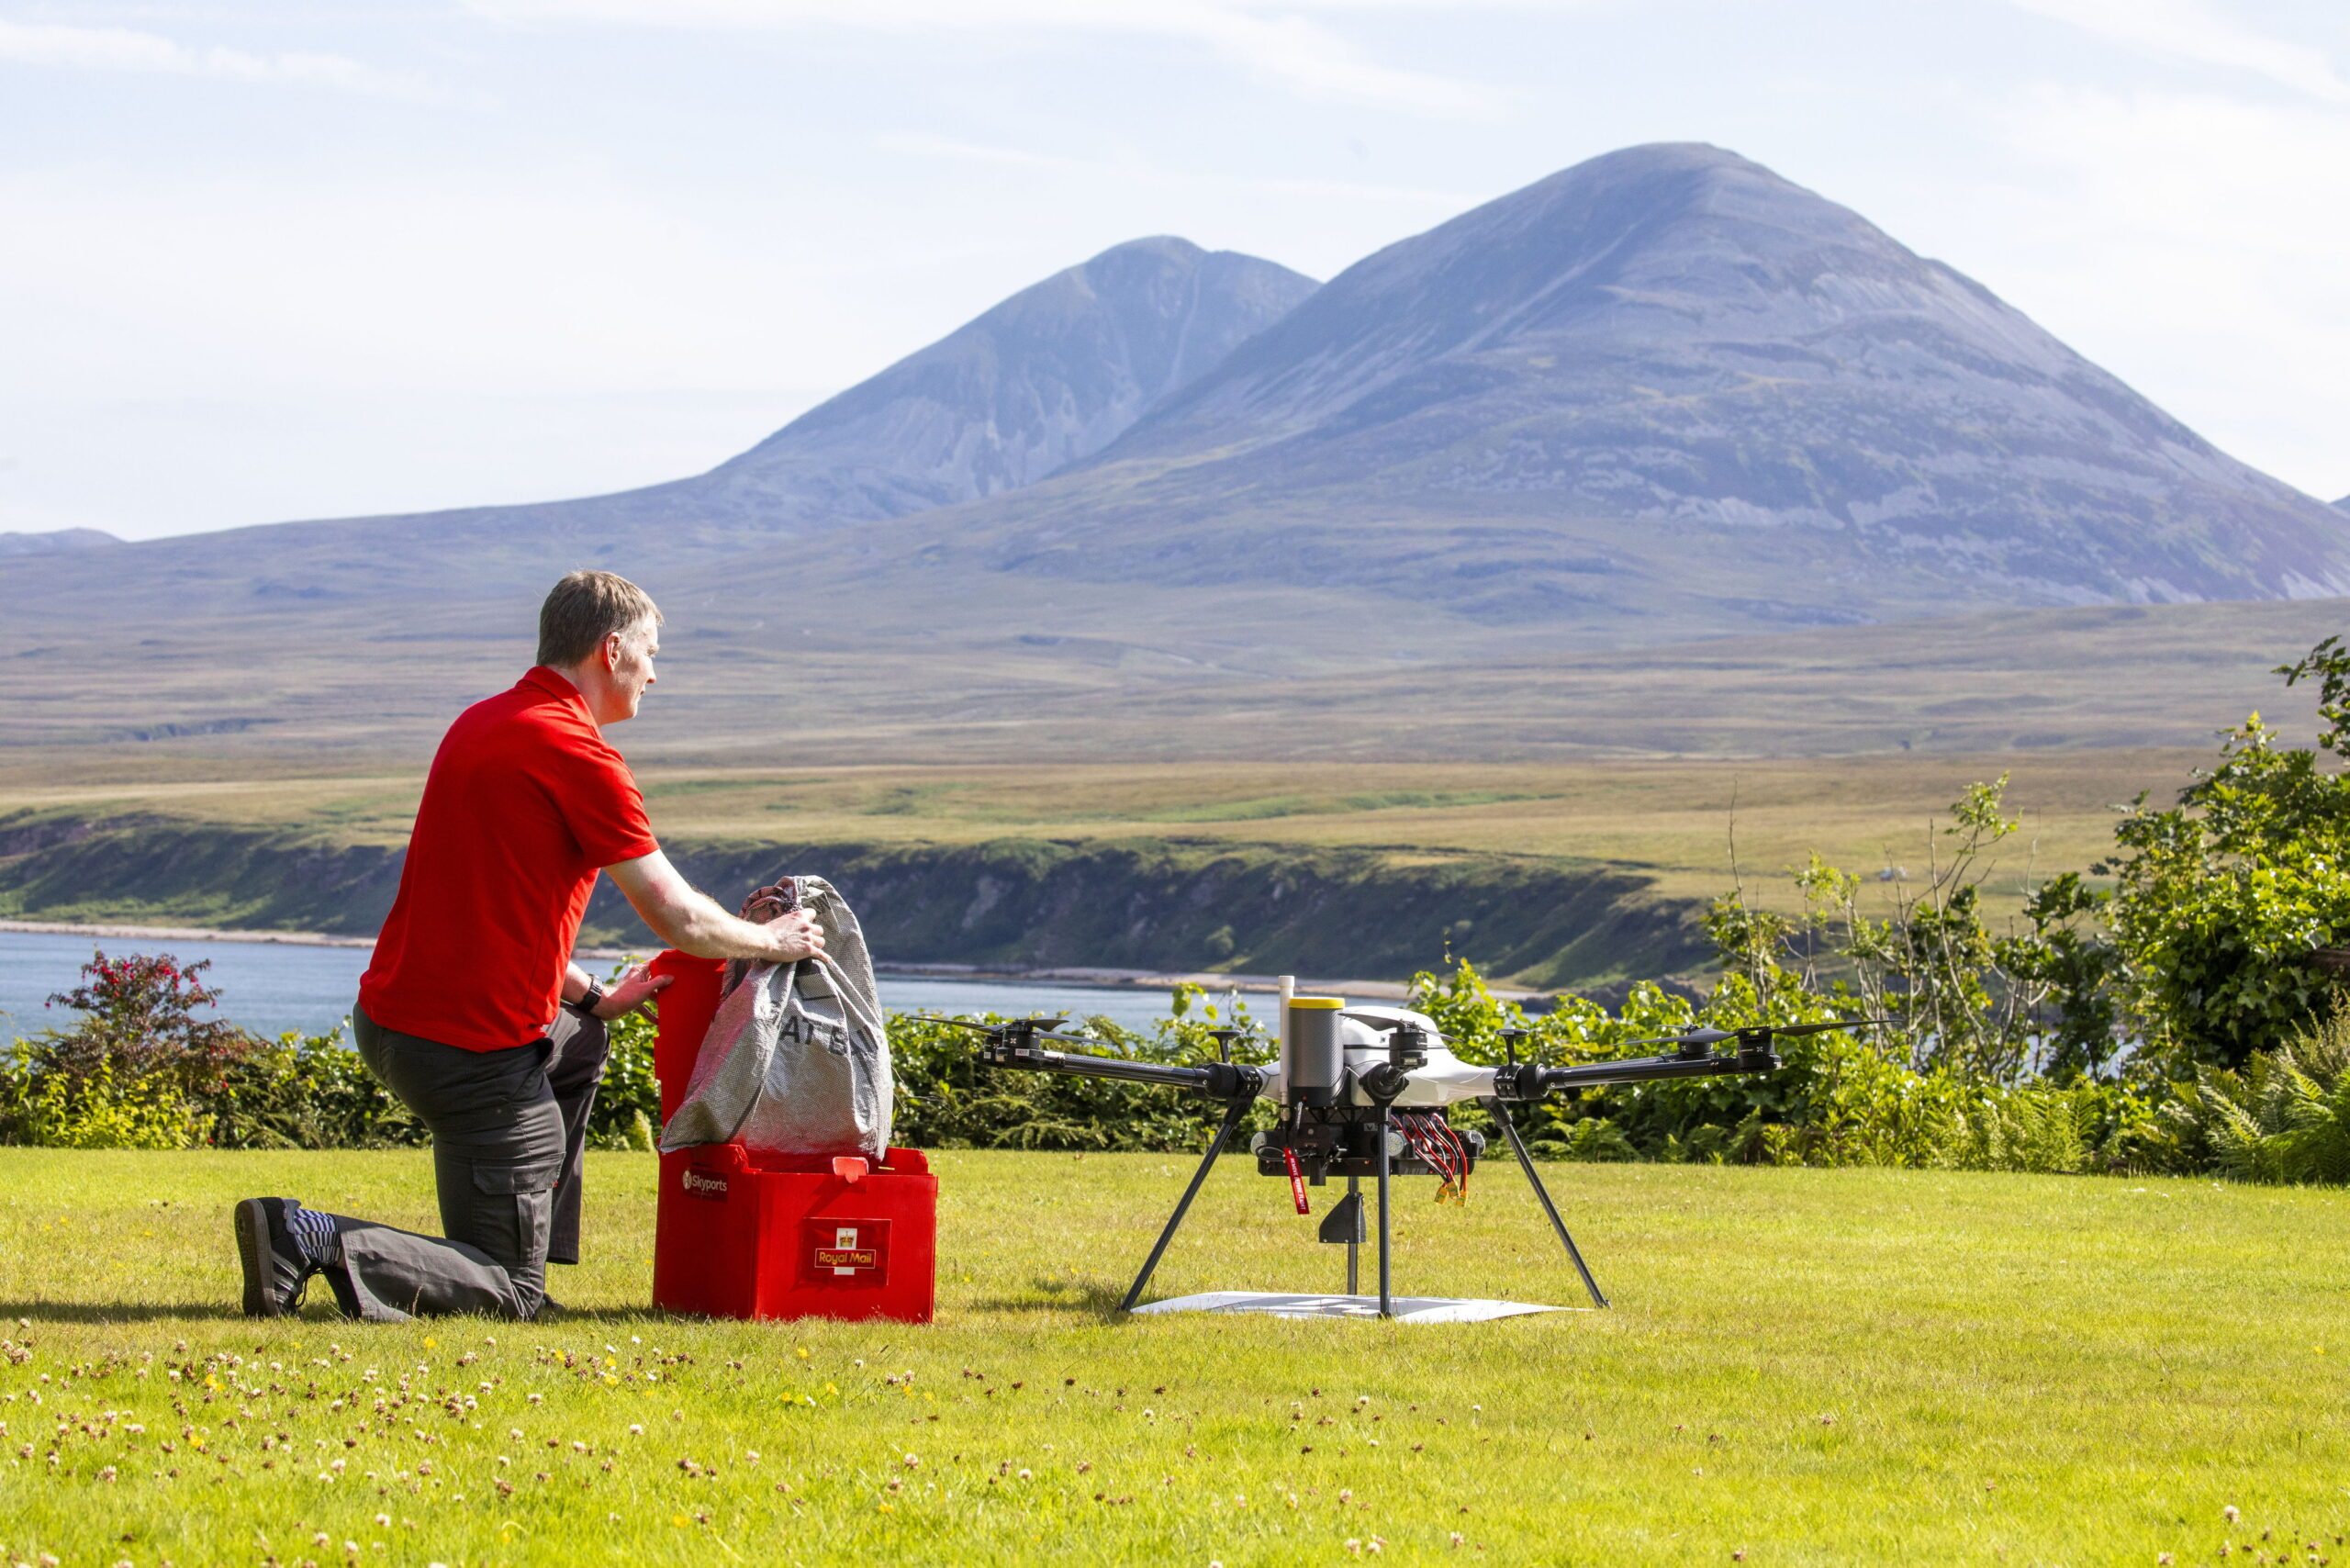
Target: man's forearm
{"x": 696, "y": 924}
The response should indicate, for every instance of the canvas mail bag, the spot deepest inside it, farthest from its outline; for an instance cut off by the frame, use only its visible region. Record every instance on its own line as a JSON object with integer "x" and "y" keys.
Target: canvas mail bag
{"x": 797, "y": 1060}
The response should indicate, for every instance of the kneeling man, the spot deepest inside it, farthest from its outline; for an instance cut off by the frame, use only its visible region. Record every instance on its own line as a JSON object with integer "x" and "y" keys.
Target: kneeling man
{"x": 472, "y": 1011}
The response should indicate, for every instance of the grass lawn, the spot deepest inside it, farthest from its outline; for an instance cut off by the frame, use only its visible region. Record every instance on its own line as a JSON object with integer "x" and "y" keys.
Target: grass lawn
{"x": 1801, "y": 1367}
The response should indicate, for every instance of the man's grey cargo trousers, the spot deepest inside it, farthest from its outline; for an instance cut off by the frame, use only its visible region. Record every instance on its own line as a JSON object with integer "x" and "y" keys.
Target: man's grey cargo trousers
{"x": 508, "y": 1129}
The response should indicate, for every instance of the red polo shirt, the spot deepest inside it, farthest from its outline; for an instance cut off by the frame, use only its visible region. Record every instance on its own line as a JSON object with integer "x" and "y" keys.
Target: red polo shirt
{"x": 524, "y": 803}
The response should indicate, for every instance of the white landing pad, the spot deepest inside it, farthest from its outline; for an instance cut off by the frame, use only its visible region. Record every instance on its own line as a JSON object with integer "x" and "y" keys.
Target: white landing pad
{"x": 1407, "y": 1308}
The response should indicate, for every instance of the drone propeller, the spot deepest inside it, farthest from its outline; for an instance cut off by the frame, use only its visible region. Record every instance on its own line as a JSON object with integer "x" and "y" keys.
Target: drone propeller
{"x": 972, "y": 1024}
{"x": 1025, "y": 1032}
{"x": 1693, "y": 1037}
{"x": 1828, "y": 1028}
{"x": 1760, "y": 1032}
{"x": 1036, "y": 1022}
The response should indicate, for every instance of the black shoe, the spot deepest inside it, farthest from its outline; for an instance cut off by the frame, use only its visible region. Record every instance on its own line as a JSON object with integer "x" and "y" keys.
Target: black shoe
{"x": 275, "y": 1269}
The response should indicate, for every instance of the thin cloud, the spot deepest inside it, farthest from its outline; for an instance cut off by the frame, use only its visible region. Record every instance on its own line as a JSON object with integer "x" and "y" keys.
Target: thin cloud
{"x": 2191, "y": 30}
{"x": 1290, "y": 51}
{"x": 58, "y": 46}
{"x": 921, "y": 145}
{"x": 2161, "y": 232}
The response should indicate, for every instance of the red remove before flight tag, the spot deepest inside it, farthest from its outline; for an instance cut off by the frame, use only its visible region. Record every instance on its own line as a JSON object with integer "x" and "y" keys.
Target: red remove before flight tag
{"x": 1296, "y": 1180}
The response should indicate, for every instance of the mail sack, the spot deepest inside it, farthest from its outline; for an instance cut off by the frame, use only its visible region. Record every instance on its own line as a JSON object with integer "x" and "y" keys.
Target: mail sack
{"x": 796, "y": 1059}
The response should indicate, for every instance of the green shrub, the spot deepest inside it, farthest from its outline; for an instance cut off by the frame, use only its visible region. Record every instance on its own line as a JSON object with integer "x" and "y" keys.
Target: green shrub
{"x": 2285, "y": 1117}
{"x": 96, "y": 1109}
{"x": 136, "y": 1069}
{"x": 2198, "y": 956}
{"x": 2035, "y": 1001}
{"x": 2222, "y": 899}
{"x": 1838, "y": 1099}
{"x": 1595, "y": 1139}
{"x": 308, "y": 1092}
{"x": 628, "y": 1103}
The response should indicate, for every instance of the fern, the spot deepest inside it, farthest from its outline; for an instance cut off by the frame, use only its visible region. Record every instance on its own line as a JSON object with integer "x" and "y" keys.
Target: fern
{"x": 2285, "y": 1118}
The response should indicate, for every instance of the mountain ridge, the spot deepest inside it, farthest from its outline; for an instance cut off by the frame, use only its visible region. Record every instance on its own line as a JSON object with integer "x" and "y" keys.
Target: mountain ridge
{"x": 1599, "y": 381}
{"x": 1663, "y": 397}
{"x": 54, "y": 542}
{"x": 1114, "y": 334}
{"x": 1673, "y": 335}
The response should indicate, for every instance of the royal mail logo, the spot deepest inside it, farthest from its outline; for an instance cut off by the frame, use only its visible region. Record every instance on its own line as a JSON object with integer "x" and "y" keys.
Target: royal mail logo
{"x": 838, "y": 1251}
{"x": 703, "y": 1184}
{"x": 848, "y": 1260}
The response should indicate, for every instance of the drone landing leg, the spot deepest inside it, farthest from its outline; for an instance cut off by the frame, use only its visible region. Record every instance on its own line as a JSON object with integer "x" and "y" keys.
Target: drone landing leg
{"x": 1232, "y": 1119}
{"x": 1386, "y": 1308}
{"x": 1500, "y": 1112}
{"x": 1354, "y": 1236}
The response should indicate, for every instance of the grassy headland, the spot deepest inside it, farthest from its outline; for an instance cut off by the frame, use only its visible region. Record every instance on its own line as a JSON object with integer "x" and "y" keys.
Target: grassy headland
{"x": 1515, "y": 864}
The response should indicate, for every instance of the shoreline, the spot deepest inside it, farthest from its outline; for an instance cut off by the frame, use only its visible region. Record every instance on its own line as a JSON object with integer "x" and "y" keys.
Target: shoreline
{"x": 1098, "y": 979}
{"x": 179, "y": 934}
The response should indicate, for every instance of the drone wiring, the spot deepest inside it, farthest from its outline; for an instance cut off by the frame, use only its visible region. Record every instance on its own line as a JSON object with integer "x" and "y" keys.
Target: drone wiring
{"x": 1432, "y": 1139}
{"x": 1417, "y": 1140}
{"x": 1461, "y": 1157}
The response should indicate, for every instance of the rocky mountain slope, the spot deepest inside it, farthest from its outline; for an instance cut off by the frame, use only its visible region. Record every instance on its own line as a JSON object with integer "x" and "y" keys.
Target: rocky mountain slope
{"x": 1669, "y": 373}
{"x": 1049, "y": 376}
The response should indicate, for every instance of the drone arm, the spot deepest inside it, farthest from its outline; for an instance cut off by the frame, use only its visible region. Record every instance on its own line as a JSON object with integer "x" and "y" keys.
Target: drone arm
{"x": 1217, "y": 1080}
{"x": 1528, "y": 1081}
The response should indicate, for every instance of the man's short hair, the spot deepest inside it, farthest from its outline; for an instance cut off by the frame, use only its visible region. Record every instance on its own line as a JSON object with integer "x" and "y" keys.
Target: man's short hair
{"x": 585, "y": 608}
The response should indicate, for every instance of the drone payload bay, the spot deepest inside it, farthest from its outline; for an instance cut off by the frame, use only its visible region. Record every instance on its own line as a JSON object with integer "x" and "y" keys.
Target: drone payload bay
{"x": 1364, "y": 1092}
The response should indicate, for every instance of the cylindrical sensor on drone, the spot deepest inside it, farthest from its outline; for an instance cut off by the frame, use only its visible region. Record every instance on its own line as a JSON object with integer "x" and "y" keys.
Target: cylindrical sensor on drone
{"x": 1315, "y": 1054}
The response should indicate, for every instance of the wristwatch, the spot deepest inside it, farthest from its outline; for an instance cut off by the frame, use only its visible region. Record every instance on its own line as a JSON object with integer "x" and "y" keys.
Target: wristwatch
{"x": 589, "y": 999}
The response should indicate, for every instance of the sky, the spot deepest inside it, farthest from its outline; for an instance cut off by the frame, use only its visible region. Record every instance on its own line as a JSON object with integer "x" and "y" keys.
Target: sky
{"x": 264, "y": 261}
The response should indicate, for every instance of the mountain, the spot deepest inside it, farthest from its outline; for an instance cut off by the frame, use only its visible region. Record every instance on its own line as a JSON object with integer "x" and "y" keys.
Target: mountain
{"x": 55, "y": 542}
{"x": 1669, "y": 373}
{"x": 1047, "y": 376}
{"x": 1661, "y": 397}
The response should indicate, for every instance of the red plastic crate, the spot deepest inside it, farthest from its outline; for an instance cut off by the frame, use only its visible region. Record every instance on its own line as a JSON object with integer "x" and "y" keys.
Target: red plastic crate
{"x": 749, "y": 1234}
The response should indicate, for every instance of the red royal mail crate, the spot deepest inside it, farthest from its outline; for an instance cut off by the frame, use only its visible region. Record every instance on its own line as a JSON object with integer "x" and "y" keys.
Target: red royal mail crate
{"x": 742, "y": 1234}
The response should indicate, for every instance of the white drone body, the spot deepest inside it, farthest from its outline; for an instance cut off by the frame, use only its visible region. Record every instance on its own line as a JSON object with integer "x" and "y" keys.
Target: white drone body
{"x": 1443, "y": 1079}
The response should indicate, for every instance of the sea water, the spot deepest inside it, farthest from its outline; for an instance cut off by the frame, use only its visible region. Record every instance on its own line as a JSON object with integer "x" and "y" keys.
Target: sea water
{"x": 271, "y": 987}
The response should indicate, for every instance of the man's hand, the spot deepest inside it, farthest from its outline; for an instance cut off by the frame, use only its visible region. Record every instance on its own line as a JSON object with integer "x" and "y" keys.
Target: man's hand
{"x": 796, "y": 936}
{"x": 631, "y": 991}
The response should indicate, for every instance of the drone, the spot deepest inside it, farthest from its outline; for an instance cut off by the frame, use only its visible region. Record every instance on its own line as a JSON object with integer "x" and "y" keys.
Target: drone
{"x": 1363, "y": 1092}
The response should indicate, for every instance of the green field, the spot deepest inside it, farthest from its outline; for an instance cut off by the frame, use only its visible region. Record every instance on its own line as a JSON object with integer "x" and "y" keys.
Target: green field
{"x": 1636, "y": 784}
{"x": 218, "y": 685}
{"x": 1802, "y": 1366}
